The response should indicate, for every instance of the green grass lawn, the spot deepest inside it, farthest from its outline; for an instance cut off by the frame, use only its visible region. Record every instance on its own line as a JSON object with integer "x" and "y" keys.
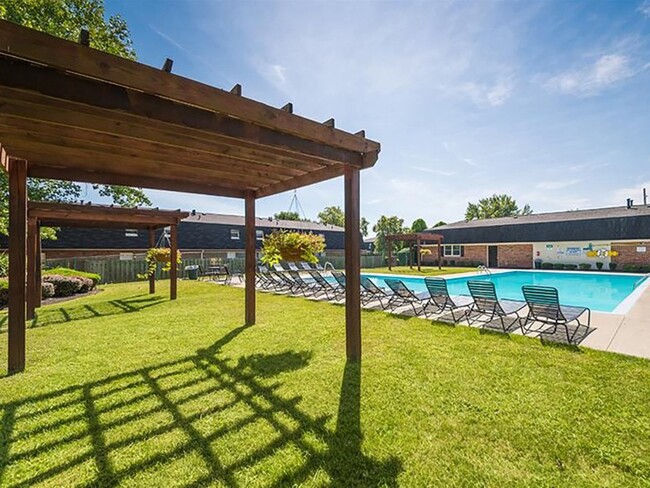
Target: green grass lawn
{"x": 123, "y": 388}
{"x": 425, "y": 270}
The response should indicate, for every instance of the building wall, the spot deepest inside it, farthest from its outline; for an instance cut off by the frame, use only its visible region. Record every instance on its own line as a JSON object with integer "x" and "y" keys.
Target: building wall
{"x": 572, "y": 252}
{"x": 636, "y": 253}
{"x": 472, "y": 254}
{"x": 515, "y": 256}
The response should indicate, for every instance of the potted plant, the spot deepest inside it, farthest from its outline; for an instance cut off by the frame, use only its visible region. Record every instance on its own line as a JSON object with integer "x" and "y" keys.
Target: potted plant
{"x": 281, "y": 245}
{"x": 157, "y": 255}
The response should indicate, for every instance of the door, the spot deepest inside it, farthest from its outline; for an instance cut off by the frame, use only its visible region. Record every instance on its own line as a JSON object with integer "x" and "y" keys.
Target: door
{"x": 493, "y": 256}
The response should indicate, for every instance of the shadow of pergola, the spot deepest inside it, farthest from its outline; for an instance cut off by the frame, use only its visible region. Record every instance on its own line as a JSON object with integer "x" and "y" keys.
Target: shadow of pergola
{"x": 204, "y": 401}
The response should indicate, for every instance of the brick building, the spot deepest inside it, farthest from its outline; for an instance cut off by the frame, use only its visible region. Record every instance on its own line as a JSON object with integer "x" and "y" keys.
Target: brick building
{"x": 618, "y": 235}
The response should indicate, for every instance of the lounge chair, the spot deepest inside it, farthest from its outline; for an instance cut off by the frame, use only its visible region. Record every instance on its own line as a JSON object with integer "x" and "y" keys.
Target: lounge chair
{"x": 319, "y": 267}
{"x": 307, "y": 288}
{"x": 305, "y": 266}
{"x": 285, "y": 283}
{"x": 544, "y": 306}
{"x": 486, "y": 303}
{"x": 402, "y": 295}
{"x": 441, "y": 301}
{"x": 330, "y": 290}
{"x": 374, "y": 292}
{"x": 293, "y": 267}
{"x": 366, "y": 296}
{"x": 262, "y": 278}
{"x": 277, "y": 267}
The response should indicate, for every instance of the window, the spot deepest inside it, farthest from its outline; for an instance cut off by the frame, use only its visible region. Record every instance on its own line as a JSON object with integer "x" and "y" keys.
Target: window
{"x": 131, "y": 232}
{"x": 259, "y": 234}
{"x": 455, "y": 250}
{"x": 234, "y": 234}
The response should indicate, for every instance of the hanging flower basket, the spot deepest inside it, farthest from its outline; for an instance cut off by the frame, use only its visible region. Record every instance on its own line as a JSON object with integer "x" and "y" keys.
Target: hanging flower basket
{"x": 157, "y": 255}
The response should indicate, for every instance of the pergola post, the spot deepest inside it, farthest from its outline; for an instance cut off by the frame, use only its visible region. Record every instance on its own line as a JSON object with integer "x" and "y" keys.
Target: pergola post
{"x": 39, "y": 265}
{"x": 17, "y": 237}
{"x": 419, "y": 258}
{"x": 352, "y": 265}
{"x": 249, "y": 271}
{"x": 33, "y": 287}
{"x": 439, "y": 255}
{"x": 152, "y": 276}
{"x": 389, "y": 244}
{"x": 173, "y": 255}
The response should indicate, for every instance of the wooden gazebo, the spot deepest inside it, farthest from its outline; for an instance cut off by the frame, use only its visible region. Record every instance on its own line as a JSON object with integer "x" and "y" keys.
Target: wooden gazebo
{"x": 73, "y": 113}
{"x": 416, "y": 238}
{"x": 52, "y": 214}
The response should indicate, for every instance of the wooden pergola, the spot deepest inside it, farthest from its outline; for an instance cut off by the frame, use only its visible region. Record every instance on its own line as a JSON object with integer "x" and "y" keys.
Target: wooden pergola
{"x": 70, "y": 112}
{"x": 52, "y": 214}
{"x": 417, "y": 239}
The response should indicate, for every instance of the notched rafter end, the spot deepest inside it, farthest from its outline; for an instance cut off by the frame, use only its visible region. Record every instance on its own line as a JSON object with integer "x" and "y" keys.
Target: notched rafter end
{"x": 236, "y": 90}
{"x": 329, "y": 123}
{"x": 167, "y": 67}
{"x": 84, "y": 37}
{"x": 361, "y": 133}
{"x": 288, "y": 107}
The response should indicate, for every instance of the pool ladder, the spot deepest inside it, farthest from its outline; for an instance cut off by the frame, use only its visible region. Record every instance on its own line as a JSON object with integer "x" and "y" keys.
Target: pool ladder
{"x": 641, "y": 280}
{"x": 482, "y": 269}
{"x": 329, "y": 265}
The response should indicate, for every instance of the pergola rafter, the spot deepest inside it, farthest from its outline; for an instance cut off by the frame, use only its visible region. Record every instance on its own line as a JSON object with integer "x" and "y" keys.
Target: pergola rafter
{"x": 73, "y": 113}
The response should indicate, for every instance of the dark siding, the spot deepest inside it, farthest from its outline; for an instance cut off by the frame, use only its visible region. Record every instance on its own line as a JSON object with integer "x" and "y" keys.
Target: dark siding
{"x": 191, "y": 235}
{"x": 575, "y": 230}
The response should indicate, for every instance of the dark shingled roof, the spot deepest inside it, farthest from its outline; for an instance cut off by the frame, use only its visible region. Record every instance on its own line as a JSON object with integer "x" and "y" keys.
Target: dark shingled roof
{"x": 613, "y": 223}
{"x": 213, "y": 218}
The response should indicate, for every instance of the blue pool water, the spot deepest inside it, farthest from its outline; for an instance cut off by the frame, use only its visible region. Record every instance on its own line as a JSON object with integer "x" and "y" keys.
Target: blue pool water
{"x": 598, "y": 291}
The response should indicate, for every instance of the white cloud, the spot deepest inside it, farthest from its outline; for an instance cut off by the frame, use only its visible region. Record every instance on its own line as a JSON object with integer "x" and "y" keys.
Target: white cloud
{"x": 556, "y": 185}
{"x": 620, "y": 195}
{"x": 606, "y": 71}
{"x": 644, "y": 8}
{"x": 488, "y": 95}
{"x": 433, "y": 171}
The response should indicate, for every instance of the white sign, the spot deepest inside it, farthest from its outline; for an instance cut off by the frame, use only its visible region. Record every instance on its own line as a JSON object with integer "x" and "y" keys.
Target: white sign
{"x": 126, "y": 256}
{"x": 641, "y": 249}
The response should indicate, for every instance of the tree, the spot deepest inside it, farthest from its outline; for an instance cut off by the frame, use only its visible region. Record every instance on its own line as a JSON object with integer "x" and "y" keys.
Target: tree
{"x": 332, "y": 216}
{"x": 363, "y": 226}
{"x": 386, "y": 226}
{"x": 495, "y": 206}
{"x": 65, "y": 18}
{"x": 287, "y": 215}
{"x": 418, "y": 225}
{"x": 440, "y": 223}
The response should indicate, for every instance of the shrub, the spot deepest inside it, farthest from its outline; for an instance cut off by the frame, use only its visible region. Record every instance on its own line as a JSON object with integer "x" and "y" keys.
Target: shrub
{"x": 47, "y": 289}
{"x": 281, "y": 245}
{"x": 644, "y": 269}
{"x": 628, "y": 268}
{"x": 86, "y": 284}
{"x": 570, "y": 266}
{"x": 452, "y": 262}
{"x": 4, "y": 293}
{"x": 444, "y": 262}
{"x": 4, "y": 264}
{"x": 64, "y": 286}
{"x": 73, "y": 272}
{"x": 558, "y": 266}
{"x": 599, "y": 265}
{"x": 612, "y": 266}
{"x": 547, "y": 265}
{"x": 584, "y": 266}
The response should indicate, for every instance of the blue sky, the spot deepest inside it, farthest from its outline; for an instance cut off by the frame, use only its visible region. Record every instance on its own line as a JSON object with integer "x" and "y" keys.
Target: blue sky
{"x": 548, "y": 101}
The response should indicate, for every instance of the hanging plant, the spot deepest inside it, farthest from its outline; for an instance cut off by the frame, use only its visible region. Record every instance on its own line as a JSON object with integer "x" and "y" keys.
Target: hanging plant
{"x": 281, "y": 245}
{"x": 157, "y": 255}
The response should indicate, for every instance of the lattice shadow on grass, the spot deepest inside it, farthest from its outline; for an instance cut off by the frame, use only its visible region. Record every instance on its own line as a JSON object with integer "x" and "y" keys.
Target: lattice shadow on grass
{"x": 200, "y": 420}
{"x": 60, "y": 315}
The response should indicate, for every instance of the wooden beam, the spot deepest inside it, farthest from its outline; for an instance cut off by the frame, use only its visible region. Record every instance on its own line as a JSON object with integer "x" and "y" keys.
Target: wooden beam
{"x": 29, "y": 44}
{"x": 39, "y": 265}
{"x": 352, "y": 265}
{"x": 152, "y": 277}
{"x": 329, "y": 123}
{"x": 17, "y": 239}
{"x": 236, "y": 90}
{"x": 300, "y": 181}
{"x": 146, "y": 182}
{"x": 288, "y": 107}
{"x": 4, "y": 159}
{"x": 168, "y": 65}
{"x": 361, "y": 133}
{"x": 250, "y": 262}
{"x": 116, "y": 100}
{"x": 32, "y": 288}
{"x": 173, "y": 269}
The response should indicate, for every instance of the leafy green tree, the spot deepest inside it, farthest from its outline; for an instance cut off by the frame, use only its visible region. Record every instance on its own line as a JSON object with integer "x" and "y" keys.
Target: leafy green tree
{"x": 66, "y": 18}
{"x": 495, "y": 206}
{"x": 363, "y": 226}
{"x": 418, "y": 225}
{"x": 332, "y": 216}
{"x": 386, "y": 226}
{"x": 287, "y": 215}
{"x": 440, "y": 223}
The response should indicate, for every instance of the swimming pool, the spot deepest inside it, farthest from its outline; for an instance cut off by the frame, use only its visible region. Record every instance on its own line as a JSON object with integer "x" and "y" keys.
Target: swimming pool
{"x": 602, "y": 292}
